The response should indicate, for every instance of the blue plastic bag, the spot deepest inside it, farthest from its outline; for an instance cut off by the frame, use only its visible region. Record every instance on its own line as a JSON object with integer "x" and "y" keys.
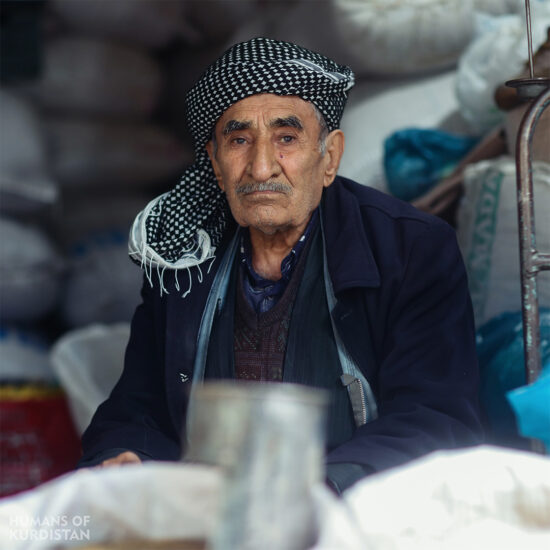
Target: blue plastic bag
{"x": 416, "y": 159}
{"x": 501, "y": 364}
{"x": 532, "y": 407}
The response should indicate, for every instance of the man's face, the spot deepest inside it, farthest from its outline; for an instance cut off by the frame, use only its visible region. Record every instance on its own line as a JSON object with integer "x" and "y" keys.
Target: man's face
{"x": 268, "y": 161}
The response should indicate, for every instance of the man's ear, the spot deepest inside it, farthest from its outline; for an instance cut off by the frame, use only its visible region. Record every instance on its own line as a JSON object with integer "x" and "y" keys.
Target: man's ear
{"x": 335, "y": 142}
{"x": 210, "y": 150}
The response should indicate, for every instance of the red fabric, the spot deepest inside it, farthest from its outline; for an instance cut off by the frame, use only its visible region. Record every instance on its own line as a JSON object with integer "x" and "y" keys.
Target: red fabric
{"x": 38, "y": 442}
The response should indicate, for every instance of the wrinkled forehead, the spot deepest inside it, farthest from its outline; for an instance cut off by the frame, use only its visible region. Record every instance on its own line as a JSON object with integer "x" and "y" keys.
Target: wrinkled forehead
{"x": 262, "y": 66}
{"x": 270, "y": 110}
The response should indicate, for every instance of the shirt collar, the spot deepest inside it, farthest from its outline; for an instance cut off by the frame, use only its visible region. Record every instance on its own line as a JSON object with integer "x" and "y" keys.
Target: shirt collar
{"x": 289, "y": 261}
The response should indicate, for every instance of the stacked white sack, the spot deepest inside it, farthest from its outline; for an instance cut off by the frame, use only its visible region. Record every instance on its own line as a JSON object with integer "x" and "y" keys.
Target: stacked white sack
{"x": 30, "y": 273}
{"x": 146, "y": 23}
{"x": 99, "y": 212}
{"x": 25, "y": 184}
{"x": 404, "y": 36}
{"x": 488, "y": 236}
{"x": 102, "y": 285}
{"x": 378, "y": 37}
{"x": 97, "y": 96}
{"x": 25, "y": 356}
{"x": 88, "y": 76}
{"x": 112, "y": 155}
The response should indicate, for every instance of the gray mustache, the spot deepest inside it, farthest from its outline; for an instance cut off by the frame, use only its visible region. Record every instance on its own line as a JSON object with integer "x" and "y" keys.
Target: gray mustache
{"x": 278, "y": 187}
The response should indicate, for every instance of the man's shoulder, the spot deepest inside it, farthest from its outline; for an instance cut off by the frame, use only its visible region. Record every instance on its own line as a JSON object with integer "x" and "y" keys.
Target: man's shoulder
{"x": 376, "y": 236}
{"x": 385, "y": 209}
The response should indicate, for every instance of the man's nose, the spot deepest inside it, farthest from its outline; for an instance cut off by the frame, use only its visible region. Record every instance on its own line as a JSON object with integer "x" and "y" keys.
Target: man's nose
{"x": 263, "y": 164}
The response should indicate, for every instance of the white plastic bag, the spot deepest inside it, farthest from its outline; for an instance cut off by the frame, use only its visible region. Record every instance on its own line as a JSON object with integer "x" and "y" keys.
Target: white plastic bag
{"x": 30, "y": 272}
{"x": 88, "y": 362}
{"x": 496, "y": 56}
{"x": 488, "y": 235}
{"x": 25, "y": 185}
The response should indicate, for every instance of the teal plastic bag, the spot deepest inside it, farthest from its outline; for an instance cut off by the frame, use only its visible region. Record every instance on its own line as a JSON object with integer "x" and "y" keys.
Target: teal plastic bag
{"x": 501, "y": 365}
{"x": 532, "y": 407}
{"x": 416, "y": 159}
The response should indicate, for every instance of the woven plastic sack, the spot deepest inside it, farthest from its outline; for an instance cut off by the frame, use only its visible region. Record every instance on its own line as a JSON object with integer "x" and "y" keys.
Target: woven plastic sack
{"x": 102, "y": 284}
{"x": 30, "y": 272}
{"x": 148, "y": 22}
{"x": 416, "y": 159}
{"x": 110, "y": 154}
{"x": 97, "y": 77}
{"x": 24, "y": 356}
{"x": 487, "y": 230}
{"x": 392, "y": 37}
{"x": 499, "y": 7}
{"x": 216, "y": 20}
{"x": 410, "y": 36}
{"x": 85, "y": 214}
{"x": 25, "y": 185}
{"x": 88, "y": 362}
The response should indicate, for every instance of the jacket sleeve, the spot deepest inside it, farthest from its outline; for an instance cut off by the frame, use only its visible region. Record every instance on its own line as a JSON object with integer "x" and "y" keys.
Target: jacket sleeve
{"x": 135, "y": 417}
{"x": 426, "y": 383}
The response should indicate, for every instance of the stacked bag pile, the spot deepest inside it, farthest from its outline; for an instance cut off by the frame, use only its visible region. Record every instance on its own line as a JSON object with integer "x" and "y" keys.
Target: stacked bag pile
{"x": 85, "y": 145}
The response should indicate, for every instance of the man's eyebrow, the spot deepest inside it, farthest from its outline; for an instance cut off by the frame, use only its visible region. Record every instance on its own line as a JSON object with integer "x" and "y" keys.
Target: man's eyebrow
{"x": 235, "y": 126}
{"x": 292, "y": 121}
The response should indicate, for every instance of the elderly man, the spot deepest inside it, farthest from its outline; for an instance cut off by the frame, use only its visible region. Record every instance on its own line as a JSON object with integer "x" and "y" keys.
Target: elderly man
{"x": 262, "y": 264}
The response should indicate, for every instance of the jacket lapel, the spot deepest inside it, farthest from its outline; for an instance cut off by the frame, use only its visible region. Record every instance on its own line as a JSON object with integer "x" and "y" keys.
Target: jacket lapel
{"x": 353, "y": 271}
{"x": 351, "y": 262}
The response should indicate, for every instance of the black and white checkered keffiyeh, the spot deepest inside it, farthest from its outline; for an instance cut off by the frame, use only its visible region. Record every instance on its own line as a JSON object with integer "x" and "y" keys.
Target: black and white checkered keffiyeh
{"x": 182, "y": 228}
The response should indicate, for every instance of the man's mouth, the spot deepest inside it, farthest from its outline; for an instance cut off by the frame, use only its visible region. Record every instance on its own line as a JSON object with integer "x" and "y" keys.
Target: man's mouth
{"x": 264, "y": 186}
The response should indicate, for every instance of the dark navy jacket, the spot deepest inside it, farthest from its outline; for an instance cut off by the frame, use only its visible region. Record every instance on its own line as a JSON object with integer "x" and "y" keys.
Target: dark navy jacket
{"x": 403, "y": 312}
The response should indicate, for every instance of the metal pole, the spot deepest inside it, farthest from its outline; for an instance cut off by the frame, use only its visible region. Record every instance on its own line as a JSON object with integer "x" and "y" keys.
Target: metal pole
{"x": 529, "y": 38}
{"x": 531, "y": 261}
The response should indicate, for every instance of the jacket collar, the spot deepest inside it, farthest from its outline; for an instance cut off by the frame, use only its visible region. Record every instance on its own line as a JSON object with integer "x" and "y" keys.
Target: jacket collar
{"x": 350, "y": 258}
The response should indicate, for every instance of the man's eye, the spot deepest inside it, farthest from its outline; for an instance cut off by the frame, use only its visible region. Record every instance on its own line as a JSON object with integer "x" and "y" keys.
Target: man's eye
{"x": 287, "y": 139}
{"x": 238, "y": 141}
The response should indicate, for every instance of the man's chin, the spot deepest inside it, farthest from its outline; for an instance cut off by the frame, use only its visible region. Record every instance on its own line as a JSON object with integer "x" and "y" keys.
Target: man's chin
{"x": 269, "y": 226}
